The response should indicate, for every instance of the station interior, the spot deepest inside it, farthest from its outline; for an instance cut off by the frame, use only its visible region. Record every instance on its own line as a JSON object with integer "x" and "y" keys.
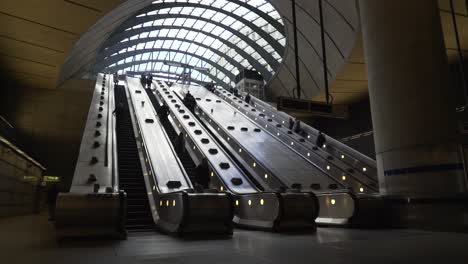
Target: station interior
{"x": 234, "y": 131}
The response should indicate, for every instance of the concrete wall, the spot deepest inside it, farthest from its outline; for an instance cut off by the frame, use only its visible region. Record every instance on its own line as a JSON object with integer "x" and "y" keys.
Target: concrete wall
{"x": 17, "y": 197}
{"x": 50, "y": 122}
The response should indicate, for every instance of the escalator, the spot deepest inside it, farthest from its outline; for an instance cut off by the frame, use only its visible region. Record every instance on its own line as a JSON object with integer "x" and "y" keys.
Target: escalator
{"x": 139, "y": 218}
{"x": 185, "y": 158}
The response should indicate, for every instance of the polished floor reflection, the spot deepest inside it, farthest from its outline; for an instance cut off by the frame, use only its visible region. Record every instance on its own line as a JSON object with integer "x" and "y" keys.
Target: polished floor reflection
{"x": 30, "y": 239}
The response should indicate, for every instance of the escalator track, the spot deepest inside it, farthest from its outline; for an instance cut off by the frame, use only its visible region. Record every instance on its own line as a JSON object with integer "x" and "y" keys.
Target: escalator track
{"x": 139, "y": 218}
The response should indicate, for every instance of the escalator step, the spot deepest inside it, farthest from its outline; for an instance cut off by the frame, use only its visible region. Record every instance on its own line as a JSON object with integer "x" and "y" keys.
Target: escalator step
{"x": 139, "y": 218}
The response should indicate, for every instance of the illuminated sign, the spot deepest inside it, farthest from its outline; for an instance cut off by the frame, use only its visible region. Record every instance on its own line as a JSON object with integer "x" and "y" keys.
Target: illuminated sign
{"x": 51, "y": 178}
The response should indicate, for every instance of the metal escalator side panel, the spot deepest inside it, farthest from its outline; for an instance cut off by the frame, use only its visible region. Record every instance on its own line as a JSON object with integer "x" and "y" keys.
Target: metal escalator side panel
{"x": 334, "y": 167}
{"x": 94, "y": 149}
{"x": 204, "y": 143}
{"x": 335, "y": 147}
{"x": 165, "y": 164}
{"x": 336, "y": 208}
{"x": 172, "y": 208}
{"x": 298, "y": 210}
{"x": 260, "y": 210}
{"x": 284, "y": 163}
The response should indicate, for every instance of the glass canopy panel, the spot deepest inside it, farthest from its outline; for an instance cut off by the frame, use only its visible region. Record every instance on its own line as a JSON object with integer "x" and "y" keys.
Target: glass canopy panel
{"x": 219, "y": 35}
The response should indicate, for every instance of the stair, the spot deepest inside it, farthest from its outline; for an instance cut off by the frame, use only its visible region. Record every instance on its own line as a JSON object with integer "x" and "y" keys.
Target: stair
{"x": 139, "y": 218}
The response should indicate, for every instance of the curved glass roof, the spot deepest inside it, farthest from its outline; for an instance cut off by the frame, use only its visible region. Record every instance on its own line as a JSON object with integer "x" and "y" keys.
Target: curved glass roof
{"x": 215, "y": 39}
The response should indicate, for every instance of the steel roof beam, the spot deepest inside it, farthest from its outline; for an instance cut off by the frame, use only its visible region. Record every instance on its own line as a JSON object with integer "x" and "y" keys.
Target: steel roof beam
{"x": 265, "y": 35}
{"x": 122, "y": 34}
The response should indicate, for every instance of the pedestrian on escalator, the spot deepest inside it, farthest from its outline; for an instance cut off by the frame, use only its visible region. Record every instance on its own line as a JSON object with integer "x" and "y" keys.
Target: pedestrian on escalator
{"x": 163, "y": 112}
{"x": 52, "y": 194}
{"x": 190, "y": 101}
{"x": 297, "y": 127}
{"x": 143, "y": 80}
{"x": 116, "y": 78}
{"x": 291, "y": 123}
{"x": 320, "y": 142}
{"x": 179, "y": 144}
{"x": 247, "y": 98}
{"x": 149, "y": 80}
{"x": 203, "y": 174}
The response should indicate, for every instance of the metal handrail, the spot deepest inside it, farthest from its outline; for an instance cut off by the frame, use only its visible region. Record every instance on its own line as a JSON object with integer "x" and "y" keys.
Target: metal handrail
{"x": 303, "y": 147}
{"x": 332, "y": 142}
{"x": 199, "y": 146}
{"x": 138, "y": 123}
{"x": 112, "y": 120}
{"x": 20, "y": 152}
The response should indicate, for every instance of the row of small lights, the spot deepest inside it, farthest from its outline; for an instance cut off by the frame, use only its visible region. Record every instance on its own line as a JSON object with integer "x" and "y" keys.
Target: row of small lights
{"x": 249, "y": 202}
{"x": 167, "y": 203}
{"x": 343, "y": 178}
{"x": 364, "y": 169}
{"x": 254, "y": 164}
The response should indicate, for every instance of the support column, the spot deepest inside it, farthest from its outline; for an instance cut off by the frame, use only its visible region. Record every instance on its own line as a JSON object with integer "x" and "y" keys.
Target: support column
{"x": 412, "y": 100}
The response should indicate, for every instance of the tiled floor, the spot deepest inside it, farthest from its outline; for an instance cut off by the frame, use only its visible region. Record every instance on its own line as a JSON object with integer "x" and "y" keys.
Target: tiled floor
{"x": 30, "y": 239}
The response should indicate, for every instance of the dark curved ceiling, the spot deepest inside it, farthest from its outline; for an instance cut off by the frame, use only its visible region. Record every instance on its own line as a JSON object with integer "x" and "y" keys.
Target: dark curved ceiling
{"x": 45, "y": 43}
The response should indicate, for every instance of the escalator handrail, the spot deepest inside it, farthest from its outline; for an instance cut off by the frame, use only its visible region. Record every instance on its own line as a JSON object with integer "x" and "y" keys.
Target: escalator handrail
{"x": 113, "y": 144}
{"x": 150, "y": 164}
{"x": 318, "y": 168}
{"x": 306, "y": 147}
{"x": 333, "y": 142}
{"x": 198, "y": 145}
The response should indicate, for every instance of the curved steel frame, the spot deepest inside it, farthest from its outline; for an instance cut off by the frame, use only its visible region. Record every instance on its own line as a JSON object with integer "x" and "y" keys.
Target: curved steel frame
{"x": 252, "y": 61}
{"x": 265, "y": 35}
{"x": 126, "y": 65}
{"x": 162, "y": 77}
{"x": 122, "y": 34}
{"x": 136, "y": 52}
{"x": 118, "y": 57}
{"x": 272, "y": 21}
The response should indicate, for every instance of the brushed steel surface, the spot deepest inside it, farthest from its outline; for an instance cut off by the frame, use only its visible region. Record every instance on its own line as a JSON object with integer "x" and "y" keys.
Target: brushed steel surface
{"x": 166, "y": 165}
{"x": 284, "y": 163}
{"x": 215, "y": 160}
